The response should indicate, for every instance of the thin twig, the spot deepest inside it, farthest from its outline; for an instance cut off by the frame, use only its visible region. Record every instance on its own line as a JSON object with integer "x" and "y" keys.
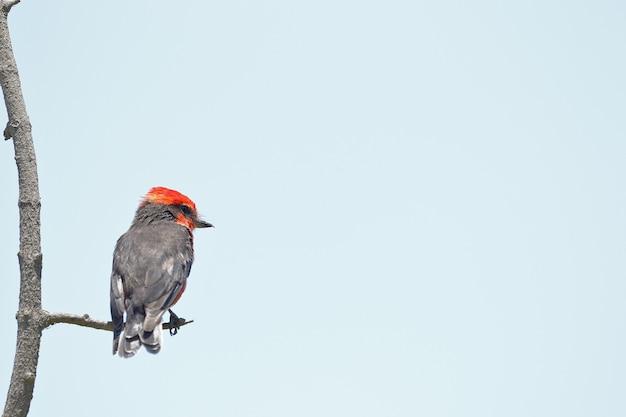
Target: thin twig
{"x": 86, "y": 321}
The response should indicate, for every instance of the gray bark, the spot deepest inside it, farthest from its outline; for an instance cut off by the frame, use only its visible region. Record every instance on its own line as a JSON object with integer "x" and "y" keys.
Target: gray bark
{"x": 30, "y": 316}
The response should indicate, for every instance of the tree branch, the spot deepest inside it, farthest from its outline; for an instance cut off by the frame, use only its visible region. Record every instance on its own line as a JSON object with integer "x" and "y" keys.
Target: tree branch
{"x": 86, "y": 321}
{"x": 30, "y": 316}
{"x": 79, "y": 320}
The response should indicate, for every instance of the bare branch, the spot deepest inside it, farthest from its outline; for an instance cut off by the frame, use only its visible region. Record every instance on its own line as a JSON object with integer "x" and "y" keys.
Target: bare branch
{"x": 30, "y": 316}
{"x": 86, "y": 321}
{"x": 79, "y": 320}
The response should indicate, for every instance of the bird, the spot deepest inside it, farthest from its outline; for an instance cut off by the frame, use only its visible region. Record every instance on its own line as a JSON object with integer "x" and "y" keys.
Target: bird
{"x": 151, "y": 263}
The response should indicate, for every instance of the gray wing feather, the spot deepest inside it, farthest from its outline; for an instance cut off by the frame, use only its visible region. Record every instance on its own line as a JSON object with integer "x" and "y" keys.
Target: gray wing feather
{"x": 150, "y": 268}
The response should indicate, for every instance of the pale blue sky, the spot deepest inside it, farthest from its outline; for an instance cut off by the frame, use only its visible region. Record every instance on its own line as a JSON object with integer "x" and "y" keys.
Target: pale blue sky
{"x": 419, "y": 206}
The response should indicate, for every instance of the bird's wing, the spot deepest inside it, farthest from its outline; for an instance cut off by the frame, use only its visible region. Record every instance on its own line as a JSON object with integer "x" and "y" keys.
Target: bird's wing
{"x": 164, "y": 282}
{"x": 162, "y": 265}
{"x": 153, "y": 263}
{"x": 117, "y": 308}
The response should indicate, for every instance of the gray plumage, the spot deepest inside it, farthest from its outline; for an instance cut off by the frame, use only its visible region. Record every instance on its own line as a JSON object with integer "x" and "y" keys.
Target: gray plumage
{"x": 151, "y": 263}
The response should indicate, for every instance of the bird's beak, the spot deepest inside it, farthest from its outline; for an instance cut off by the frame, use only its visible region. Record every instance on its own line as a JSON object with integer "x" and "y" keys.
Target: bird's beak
{"x": 201, "y": 223}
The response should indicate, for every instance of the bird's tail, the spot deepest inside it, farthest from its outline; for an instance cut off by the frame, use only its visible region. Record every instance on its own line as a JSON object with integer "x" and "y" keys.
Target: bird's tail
{"x": 152, "y": 335}
{"x": 140, "y": 330}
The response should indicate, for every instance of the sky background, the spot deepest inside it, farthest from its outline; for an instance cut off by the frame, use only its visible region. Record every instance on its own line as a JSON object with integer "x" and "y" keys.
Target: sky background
{"x": 419, "y": 206}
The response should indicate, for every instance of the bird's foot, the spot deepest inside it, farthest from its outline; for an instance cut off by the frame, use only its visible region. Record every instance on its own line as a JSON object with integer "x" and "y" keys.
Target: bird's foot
{"x": 175, "y": 322}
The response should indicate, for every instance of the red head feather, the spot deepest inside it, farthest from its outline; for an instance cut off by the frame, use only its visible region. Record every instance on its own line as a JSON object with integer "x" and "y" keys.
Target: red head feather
{"x": 162, "y": 195}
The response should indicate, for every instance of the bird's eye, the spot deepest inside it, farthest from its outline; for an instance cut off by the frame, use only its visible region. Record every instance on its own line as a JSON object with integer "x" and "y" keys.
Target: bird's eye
{"x": 186, "y": 210}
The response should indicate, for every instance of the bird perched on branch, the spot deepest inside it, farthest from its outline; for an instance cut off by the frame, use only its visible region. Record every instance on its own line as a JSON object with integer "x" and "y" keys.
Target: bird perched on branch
{"x": 151, "y": 263}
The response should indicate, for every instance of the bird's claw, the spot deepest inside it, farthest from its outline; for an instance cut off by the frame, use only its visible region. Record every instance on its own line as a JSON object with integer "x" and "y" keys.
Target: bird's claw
{"x": 175, "y": 322}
